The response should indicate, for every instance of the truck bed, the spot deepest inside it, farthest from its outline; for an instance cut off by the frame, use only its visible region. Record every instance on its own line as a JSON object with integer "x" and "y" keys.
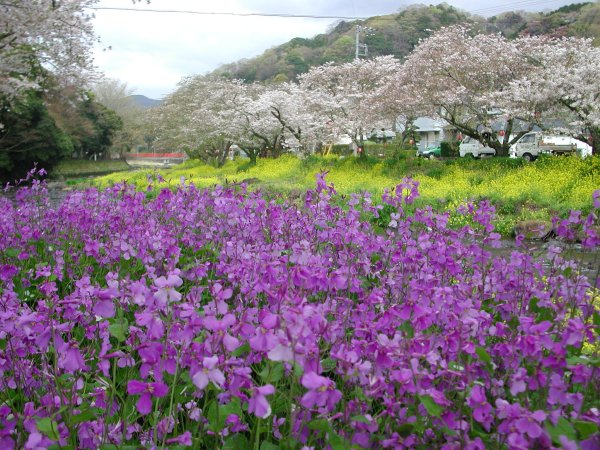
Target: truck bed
{"x": 557, "y": 148}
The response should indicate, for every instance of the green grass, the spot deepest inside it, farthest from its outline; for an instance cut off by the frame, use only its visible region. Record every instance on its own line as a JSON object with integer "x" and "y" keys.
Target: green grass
{"x": 519, "y": 190}
{"x": 71, "y": 168}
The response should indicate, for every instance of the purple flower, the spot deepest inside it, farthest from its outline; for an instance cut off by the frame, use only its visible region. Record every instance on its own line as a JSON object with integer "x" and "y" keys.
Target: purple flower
{"x": 154, "y": 326}
{"x": 166, "y": 292}
{"x": 104, "y": 308}
{"x": 7, "y": 272}
{"x": 321, "y": 391}
{"x": 258, "y": 403}
{"x": 482, "y": 410}
{"x": 208, "y": 373}
{"x": 221, "y": 329}
{"x": 70, "y": 358}
{"x": 567, "y": 444}
{"x": 530, "y": 424}
{"x": 281, "y": 353}
{"x": 518, "y": 384}
{"x": 184, "y": 439}
{"x": 147, "y": 391}
{"x": 263, "y": 340}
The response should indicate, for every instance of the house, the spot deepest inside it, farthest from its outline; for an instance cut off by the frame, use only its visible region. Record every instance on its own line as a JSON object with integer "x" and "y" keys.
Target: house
{"x": 431, "y": 131}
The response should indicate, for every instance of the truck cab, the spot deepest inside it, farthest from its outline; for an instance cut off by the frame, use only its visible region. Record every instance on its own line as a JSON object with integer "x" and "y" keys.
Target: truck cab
{"x": 473, "y": 148}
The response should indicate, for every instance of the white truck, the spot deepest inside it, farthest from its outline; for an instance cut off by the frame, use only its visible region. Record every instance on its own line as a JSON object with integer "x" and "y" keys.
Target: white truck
{"x": 533, "y": 144}
{"x": 474, "y": 148}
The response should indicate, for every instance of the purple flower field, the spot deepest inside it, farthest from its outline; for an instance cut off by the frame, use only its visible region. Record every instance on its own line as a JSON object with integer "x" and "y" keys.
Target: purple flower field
{"x": 224, "y": 319}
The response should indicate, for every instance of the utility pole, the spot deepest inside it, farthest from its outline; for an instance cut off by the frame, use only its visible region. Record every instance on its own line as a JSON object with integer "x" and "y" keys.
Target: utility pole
{"x": 362, "y": 49}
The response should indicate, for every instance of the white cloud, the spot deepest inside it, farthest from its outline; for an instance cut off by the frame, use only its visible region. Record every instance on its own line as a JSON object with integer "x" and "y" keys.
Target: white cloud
{"x": 153, "y": 51}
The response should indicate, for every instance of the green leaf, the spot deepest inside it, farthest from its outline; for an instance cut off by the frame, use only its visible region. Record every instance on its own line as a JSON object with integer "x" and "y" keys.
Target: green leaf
{"x": 298, "y": 370}
{"x": 48, "y": 427}
{"x": 12, "y": 252}
{"x": 575, "y": 360}
{"x": 272, "y": 373}
{"x": 431, "y": 406}
{"x": 83, "y": 416}
{"x": 484, "y": 355}
{"x": 119, "y": 330}
{"x": 328, "y": 364}
{"x": 406, "y": 429}
{"x": 241, "y": 350}
{"x": 319, "y": 424}
{"x": 266, "y": 445}
{"x": 361, "y": 418}
{"x": 562, "y": 428}
{"x": 541, "y": 313}
{"x": 407, "y": 329}
{"x": 217, "y": 414}
{"x": 453, "y": 365}
{"x": 236, "y": 442}
{"x": 585, "y": 429}
{"x": 337, "y": 442}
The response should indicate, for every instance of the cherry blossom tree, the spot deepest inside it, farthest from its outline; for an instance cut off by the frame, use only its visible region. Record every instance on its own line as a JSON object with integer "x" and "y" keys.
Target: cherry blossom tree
{"x": 287, "y": 104}
{"x": 38, "y": 36}
{"x": 279, "y": 117}
{"x": 263, "y": 133}
{"x": 564, "y": 82}
{"x": 200, "y": 117}
{"x": 460, "y": 77}
{"x": 346, "y": 96}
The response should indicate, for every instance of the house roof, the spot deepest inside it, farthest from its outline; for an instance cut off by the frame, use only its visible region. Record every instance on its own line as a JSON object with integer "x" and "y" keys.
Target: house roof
{"x": 429, "y": 124}
{"x": 424, "y": 124}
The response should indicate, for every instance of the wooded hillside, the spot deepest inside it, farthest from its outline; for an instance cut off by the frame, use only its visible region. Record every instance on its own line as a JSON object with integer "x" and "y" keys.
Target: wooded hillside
{"x": 397, "y": 34}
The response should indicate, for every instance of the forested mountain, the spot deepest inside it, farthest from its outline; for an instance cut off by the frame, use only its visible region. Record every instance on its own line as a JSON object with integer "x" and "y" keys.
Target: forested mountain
{"x": 397, "y": 34}
{"x": 143, "y": 102}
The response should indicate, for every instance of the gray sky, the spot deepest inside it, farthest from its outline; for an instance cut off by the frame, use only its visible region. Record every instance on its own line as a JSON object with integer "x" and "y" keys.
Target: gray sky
{"x": 152, "y": 51}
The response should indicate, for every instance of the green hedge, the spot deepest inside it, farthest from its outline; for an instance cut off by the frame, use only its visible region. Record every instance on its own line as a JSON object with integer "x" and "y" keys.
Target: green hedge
{"x": 449, "y": 148}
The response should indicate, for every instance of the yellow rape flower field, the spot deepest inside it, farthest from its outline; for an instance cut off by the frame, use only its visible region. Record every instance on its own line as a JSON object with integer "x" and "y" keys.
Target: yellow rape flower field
{"x": 519, "y": 190}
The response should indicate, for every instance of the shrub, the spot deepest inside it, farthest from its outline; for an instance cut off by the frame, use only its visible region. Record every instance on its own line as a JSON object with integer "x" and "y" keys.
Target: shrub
{"x": 449, "y": 148}
{"x": 341, "y": 149}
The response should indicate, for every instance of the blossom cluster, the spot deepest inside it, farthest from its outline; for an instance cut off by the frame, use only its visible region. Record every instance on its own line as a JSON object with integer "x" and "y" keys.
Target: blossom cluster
{"x": 225, "y": 318}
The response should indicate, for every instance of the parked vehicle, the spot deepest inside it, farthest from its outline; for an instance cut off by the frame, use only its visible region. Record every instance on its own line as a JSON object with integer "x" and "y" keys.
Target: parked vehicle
{"x": 382, "y": 135}
{"x": 430, "y": 152}
{"x": 475, "y": 149}
{"x": 531, "y": 145}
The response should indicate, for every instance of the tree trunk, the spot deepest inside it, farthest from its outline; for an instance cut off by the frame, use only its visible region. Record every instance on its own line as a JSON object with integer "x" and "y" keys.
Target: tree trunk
{"x": 595, "y": 140}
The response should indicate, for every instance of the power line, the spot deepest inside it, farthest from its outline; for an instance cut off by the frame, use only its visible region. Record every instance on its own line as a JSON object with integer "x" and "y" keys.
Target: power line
{"x": 490, "y": 9}
{"x": 213, "y": 13}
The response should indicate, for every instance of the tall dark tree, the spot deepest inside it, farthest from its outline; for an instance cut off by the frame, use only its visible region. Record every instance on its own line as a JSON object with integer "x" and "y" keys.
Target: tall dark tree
{"x": 30, "y": 135}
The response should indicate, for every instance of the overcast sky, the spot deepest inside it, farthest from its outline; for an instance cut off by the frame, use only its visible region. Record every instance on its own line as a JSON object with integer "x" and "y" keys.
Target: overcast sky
{"x": 152, "y": 51}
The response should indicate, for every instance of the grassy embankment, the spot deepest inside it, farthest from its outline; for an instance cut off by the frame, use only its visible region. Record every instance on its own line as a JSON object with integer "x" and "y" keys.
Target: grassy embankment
{"x": 76, "y": 169}
{"x": 521, "y": 192}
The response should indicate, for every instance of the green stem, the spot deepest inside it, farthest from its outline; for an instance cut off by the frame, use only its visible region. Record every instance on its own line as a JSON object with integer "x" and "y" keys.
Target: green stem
{"x": 257, "y": 435}
{"x": 172, "y": 397}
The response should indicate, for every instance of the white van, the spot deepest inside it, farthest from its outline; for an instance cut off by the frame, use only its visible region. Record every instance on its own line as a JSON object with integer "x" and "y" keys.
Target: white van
{"x": 474, "y": 148}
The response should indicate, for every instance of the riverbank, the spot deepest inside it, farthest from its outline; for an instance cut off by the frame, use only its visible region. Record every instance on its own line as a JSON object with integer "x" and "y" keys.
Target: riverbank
{"x": 81, "y": 168}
